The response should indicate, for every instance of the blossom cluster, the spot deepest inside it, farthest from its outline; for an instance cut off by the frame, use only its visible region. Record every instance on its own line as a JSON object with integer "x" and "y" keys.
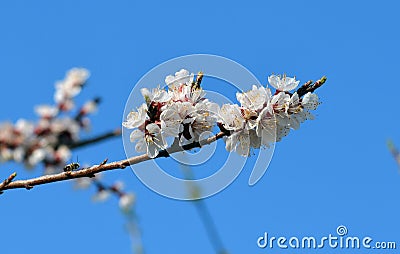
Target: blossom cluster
{"x": 49, "y": 139}
{"x": 263, "y": 118}
{"x": 181, "y": 111}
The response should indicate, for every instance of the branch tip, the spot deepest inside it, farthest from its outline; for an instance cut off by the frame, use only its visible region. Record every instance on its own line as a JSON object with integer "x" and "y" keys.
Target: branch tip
{"x": 117, "y": 132}
{"x": 309, "y": 87}
{"x": 7, "y": 181}
{"x": 321, "y": 81}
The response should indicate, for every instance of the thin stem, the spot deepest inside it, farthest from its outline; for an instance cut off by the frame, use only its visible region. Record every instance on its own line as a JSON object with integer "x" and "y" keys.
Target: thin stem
{"x": 104, "y": 166}
{"x": 7, "y": 181}
{"x": 96, "y": 139}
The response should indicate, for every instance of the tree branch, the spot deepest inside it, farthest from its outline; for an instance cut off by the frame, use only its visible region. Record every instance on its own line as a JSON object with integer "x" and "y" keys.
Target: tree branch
{"x": 104, "y": 166}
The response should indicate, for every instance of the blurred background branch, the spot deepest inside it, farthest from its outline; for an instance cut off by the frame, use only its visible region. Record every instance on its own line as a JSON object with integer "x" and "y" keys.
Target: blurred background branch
{"x": 394, "y": 151}
{"x": 203, "y": 211}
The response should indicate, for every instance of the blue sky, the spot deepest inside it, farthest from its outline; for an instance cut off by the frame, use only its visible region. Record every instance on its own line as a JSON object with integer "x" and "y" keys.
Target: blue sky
{"x": 334, "y": 171}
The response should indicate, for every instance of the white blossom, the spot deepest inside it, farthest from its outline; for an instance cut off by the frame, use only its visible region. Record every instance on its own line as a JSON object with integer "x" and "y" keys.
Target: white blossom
{"x": 77, "y": 76}
{"x": 149, "y": 140}
{"x": 299, "y": 118}
{"x": 266, "y": 126}
{"x": 71, "y": 85}
{"x": 156, "y": 95}
{"x": 85, "y": 182}
{"x": 101, "y": 195}
{"x": 175, "y": 117}
{"x": 119, "y": 185}
{"x": 138, "y": 137}
{"x": 254, "y": 99}
{"x": 281, "y": 131}
{"x": 171, "y": 120}
{"x": 37, "y": 156}
{"x": 46, "y": 111}
{"x": 25, "y": 127}
{"x": 283, "y": 83}
{"x": 295, "y": 112}
{"x": 154, "y": 140}
{"x": 90, "y": 107}
{"x": 205, "y": 117}
{"x": 310, "y": 101}
{"x": 82, "y": 183}
{"x": 135, "y": 119}
{"x": 299, "y": 109}
{"x": 63, "y": 153}
{"x": 255, "y": 141}
{"x": 231, "y": 117}
{"x": 182, "y": 119}
{"x": 181, "y": 77}
{"x": 66, "y": 104}
{"x": 19, "y": 154}
{"x": 6, "y": 154}
{"x": 185, "y": 92}
{"x": 239, "y": 141}
{"x": 281, "y": 101}
{"x": 126, "y": 201}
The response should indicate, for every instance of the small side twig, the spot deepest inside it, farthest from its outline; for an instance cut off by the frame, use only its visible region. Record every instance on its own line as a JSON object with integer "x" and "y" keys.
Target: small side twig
{"x": 103, "y": 162}
{"x": 7, "y": 181}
